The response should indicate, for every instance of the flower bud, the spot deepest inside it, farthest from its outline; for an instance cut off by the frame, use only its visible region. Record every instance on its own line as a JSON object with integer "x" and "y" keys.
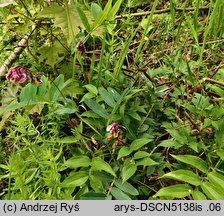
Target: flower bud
{"x": 17, "y": 74}
{"x": 80, "y": 47}
{"x": 114, "y": 127}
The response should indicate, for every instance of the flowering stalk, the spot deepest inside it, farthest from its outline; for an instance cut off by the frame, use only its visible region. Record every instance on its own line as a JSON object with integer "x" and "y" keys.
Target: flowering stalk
{"x": 114, "y": 127}
{"x": 115, "y": 135}
{"x": 18, "y": 74}
{"x": 80, "y": 47}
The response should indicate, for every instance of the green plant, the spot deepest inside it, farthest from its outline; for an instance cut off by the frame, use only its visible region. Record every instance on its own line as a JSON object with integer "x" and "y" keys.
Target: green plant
{"x": 111, "y": 100}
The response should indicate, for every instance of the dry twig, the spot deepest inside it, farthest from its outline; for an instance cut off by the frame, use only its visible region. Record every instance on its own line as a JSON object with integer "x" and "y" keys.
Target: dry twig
{"x": 15, "y": 53}
{"x": 161, "y": 11}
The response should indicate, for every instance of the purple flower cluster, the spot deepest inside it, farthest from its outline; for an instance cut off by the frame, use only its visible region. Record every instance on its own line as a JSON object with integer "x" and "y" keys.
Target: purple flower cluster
{"x": 17, "y": 74}
{"x": 80, "y": 47}
{"x": 114, "y": 127}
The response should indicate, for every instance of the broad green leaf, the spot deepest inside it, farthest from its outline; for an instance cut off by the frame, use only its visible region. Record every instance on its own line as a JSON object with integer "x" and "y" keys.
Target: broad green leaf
{"x": 122, "y": 109}
{"x": 67, "y": 18}
{"x": 150, "y": 170}
{"x": 124, "y": 151}
{"x": 78, "y": 161}
{"x": 198, "y": 195}
{"x": 218, "y": 124}
{"x": 10, "y": 96}
{"x": 138, "y": 143}
{"x": 220, "y": 153}
{"x": 170, "y": 143}
{"x": 193, "y": 145}
{"x": 100, "y": 19}
{"x": 212, "y": 192}
{"x": 216, "y": 179}
{"x": 56, "y": 87}
{"x": 50, "y": 12}
{"x": 51, "y": 54}
{"x": 135, "y": 145}
{"x": 91, "y": 88}
{"x": 87, "y": 95}
{"x": 96, "y": 10}
{"x": 90, "y": 114}
{"x": 83, "y": 18}
{"x": 72, "y": 88}
{"x": 95, "y": 107}
{"x": 75, "y": 179}
{"x": 193, "y": 161}
{"x": 114, "y": 10}
{"x": 133, "y": 92}
{"x": 42, "y": 89}
{"x": 84, "y": 189}
{"x": 15, "y": 106}
{"x": 140, "y": 154}
{"x": 93, "y": 196}
{"x": 114, "y": 93}
{"x": 128, "y": 171}
{"x": 219, "y": 135}
{"x": 134, "y": 115}
{"x": 107, "y": 97}
{"x": 143, "y": 128}
{"x": 109, "y": 197}
{"x": 5, "y": 167}
{"x": 65, "y": 110}
{"x": 28, "y": 93}
{"x": 126, "y": 187}
{"x": 68, "y": 139}
{"x": 175, "y": 191}
{"x": 121, "y": 100}
{"x": 146, "y": 162}
{"x": 99, "y": 164}
{"x": 105, "y": 177}
{"x": 183, "y": 175}
{"x": 178, "y": 136}
{"x": 119, "y": 194}
{"x": 96, "y": 184}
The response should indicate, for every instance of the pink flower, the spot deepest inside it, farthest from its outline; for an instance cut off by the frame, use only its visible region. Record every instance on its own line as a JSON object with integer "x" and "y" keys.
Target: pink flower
{"x": 80, "y": 47}
{"x": 17, "y": 74}
{"x": 114, "y": 127}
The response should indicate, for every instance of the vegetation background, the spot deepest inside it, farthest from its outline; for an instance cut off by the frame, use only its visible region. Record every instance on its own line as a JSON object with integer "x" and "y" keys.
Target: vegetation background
{"x": 112, "y": 99}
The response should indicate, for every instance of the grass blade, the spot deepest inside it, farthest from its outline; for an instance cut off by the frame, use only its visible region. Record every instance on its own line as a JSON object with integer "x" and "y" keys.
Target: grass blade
{"x": 114, "y": 10}
{"x": 146, "y": 30}
{"x": 125, "y": 49}
{"x": 83, "y": 18}
{"x": 100, "y": 19}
